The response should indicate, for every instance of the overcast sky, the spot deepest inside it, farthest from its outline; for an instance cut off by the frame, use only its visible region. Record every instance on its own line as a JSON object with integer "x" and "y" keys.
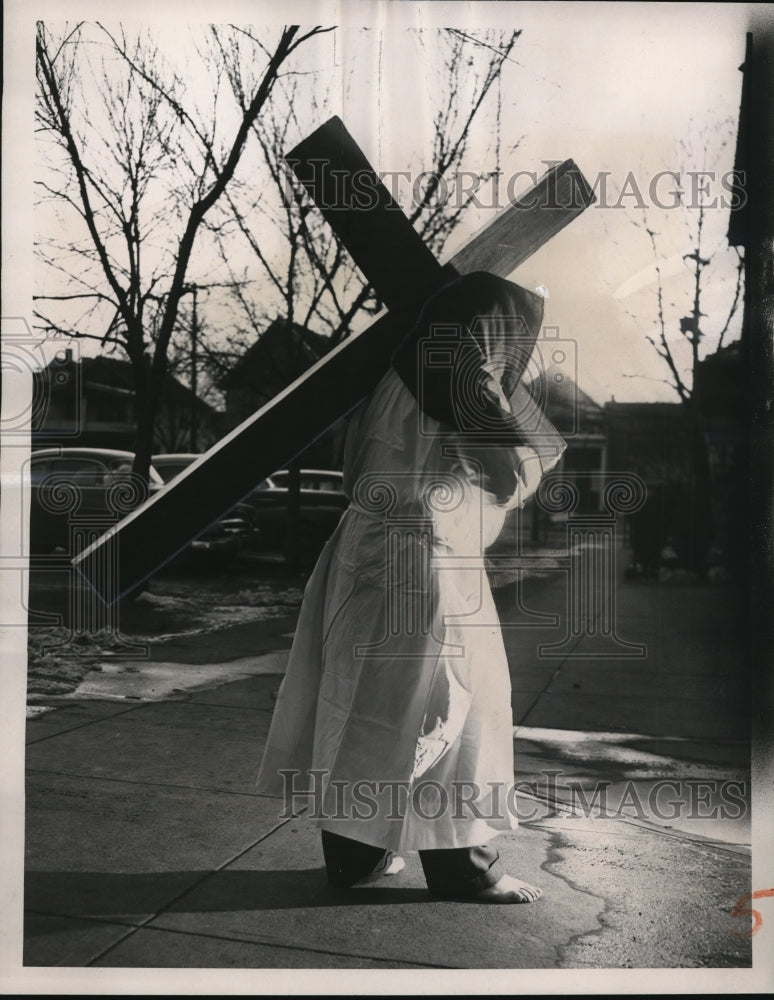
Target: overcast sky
{"x": 620, "y": 88}
{"x": 617, "y": 87}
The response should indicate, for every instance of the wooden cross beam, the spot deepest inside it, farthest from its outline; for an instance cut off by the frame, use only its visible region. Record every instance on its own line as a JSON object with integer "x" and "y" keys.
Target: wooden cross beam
{"x": 404, "y": 273}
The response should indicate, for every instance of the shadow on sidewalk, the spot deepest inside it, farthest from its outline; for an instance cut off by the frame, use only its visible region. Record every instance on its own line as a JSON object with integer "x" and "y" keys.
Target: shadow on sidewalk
{"x": 113, "y": 894}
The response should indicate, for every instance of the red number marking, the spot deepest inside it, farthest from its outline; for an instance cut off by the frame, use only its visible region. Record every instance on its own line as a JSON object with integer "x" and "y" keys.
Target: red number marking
{"x": 741, "y": 909}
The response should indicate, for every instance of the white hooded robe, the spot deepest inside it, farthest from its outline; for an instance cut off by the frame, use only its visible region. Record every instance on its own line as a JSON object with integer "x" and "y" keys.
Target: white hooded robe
{"x": 395, "y": 711}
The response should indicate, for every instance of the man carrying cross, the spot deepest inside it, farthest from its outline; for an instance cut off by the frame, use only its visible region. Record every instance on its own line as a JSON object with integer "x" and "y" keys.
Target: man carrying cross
{"x": 395, "y": 710}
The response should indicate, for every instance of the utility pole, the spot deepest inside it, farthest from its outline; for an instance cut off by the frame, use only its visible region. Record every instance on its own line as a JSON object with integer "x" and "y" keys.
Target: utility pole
{"x": 194, "y": 374}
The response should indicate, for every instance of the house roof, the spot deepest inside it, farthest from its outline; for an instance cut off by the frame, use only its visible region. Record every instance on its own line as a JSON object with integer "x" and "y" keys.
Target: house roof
{"x": 114, "y": 376}
{"x": 666, "y": 410}
{"x": 280, "y": 354}
{"x": 284, "y": 351}
{"x": 567, "y": 406}
{"x": 730, "y": 354}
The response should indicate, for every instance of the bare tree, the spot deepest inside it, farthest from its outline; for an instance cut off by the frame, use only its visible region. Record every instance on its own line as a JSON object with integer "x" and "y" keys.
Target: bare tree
{"x": 313, "y": 282}
{"x": 691, "y": 326}
{"x": 137, "y": 156}
{"x": 686, "y": 327}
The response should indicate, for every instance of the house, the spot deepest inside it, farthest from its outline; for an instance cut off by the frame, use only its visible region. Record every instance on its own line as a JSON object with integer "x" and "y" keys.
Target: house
{"x": 652, "y": 440}
{"x": 581, "y": 422}
{"x": 656, "y": 441}
{"x": 722, "y": 382}
{"x": 285, "y": 351}
{"x": 282, "y": 353}
{"x": 91, "y": 403}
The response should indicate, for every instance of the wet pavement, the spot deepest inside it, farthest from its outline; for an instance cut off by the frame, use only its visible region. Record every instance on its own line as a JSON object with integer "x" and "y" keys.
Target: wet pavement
{"x": 147, "y": 846}
{"x": 655, "y": 727}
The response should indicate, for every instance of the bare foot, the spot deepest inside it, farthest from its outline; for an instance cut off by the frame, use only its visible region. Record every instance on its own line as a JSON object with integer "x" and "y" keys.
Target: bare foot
{"x": 509, "y": 890}
{"x": 395, "y": 865}
{"x": 390, "y": 865}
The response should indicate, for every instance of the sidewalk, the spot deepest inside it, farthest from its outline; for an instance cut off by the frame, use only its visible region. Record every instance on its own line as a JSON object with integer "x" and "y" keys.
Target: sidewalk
{"x": 147, "y": 846}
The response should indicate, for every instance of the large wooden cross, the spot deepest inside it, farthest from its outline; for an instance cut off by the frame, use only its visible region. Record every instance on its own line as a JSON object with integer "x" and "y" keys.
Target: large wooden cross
{"x": 403, "y": 271}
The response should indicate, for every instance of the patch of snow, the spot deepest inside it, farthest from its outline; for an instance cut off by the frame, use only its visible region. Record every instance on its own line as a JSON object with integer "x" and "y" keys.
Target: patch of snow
{"x": 35, "y": 710}
{"x": 157, "y": 681}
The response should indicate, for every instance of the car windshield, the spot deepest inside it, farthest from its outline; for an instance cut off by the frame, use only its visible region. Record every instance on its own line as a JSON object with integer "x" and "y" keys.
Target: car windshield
{"x": 168, "y": 470}
{"x": 99, "y": 469}
{"x": 320, "y": 482}
{"x": 310, "y": 480}
{"x": 78, "y": 471}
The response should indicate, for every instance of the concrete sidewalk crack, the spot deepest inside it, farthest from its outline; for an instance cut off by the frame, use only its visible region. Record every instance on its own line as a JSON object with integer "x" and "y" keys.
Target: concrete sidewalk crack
{"x": 548, "y": 684}
{"x": 235, "y": 938}
{"x": 197, "y": 883}
{"x": 551, "y": 865}
{"x": 83, "y": 725}
{"x": 148, "y": 784}
{"x": 213, "y": 704}
{"x": 283, "y": 946}
{"x": 561, "y": 808}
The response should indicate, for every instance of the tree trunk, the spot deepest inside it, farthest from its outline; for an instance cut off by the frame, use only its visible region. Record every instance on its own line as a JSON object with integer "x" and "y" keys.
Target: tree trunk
{"x": 146, "y": 398}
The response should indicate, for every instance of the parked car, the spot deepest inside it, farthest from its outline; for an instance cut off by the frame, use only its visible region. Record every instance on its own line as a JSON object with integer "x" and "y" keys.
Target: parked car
{"x": 169, "y": 466}
{"x": 311, "y": 479}
{"x": 96, "y": 485}
{"x": 238, "y": 523}
{"x": 322, "y": 501}
{"x": 68, "y": 483}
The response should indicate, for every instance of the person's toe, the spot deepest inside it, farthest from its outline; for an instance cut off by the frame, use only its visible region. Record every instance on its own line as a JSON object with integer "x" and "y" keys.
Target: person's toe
{"x": 395, "y": 864}
{"x": 510, "y": 890}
